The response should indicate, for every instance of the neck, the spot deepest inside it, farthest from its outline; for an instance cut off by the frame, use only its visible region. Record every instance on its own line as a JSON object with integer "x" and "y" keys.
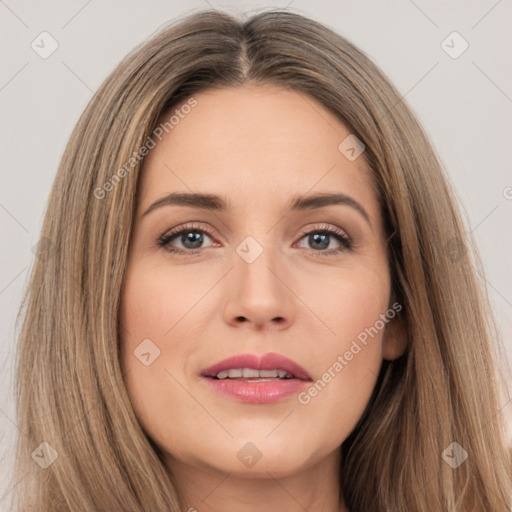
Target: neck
{"x": 313, "y": 488}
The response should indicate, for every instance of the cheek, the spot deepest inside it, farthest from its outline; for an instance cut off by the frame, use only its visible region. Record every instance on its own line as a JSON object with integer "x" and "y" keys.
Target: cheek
{"x": 156, "y": 304}
{"x": 350, "y": 303}
{"x": 153, "y": 307}
{"x": 351, "y": 349}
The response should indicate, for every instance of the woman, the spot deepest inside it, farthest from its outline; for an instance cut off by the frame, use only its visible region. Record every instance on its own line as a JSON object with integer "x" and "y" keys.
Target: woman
{"x": 257, "y": 293}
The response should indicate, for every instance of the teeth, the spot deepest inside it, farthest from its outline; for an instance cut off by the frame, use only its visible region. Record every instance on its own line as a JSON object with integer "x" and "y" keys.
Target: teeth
{"x": 249, "y": 373}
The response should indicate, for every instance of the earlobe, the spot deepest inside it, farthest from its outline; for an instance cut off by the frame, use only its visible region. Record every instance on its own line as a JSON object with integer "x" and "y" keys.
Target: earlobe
{"x": 394, "y": 343}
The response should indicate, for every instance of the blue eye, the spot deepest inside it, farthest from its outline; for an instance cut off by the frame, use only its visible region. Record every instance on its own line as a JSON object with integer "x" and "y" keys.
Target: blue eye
{"x": 321, "y": 239}
{"x": 192, "y": 238}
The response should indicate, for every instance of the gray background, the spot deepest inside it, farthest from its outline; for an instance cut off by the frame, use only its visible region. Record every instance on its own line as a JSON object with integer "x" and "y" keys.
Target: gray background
{"x": 464, "y": 104}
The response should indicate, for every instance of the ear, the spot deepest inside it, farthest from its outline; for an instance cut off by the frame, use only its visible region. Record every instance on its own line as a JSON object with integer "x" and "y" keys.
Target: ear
{"x": 394, "y": 342}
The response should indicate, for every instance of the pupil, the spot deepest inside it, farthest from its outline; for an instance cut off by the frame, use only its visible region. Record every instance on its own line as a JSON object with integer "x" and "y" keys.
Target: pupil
{"x": 194, "y": 238}
{"x": 322, "y": 238}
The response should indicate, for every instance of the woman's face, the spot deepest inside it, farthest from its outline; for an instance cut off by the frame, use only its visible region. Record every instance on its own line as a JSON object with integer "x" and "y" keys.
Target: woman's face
{"x": 256, "y": 275}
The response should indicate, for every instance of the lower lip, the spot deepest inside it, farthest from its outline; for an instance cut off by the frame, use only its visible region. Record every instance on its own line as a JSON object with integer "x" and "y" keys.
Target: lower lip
{"x": 263, "y": 392}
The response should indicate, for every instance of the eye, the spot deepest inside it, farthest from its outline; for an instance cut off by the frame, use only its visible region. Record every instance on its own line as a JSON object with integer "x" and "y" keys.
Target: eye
{"x": 321, "y": 238}
{"x": 191, "y": 237}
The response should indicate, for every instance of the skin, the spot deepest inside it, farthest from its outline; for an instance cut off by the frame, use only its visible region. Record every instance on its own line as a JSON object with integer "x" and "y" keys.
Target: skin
{"x": 256, "y": 146}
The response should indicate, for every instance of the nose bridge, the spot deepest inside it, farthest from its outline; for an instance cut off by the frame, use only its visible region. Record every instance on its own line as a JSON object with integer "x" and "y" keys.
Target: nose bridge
{"x": 255, "y": 257}
{"x": 258, "y": 293}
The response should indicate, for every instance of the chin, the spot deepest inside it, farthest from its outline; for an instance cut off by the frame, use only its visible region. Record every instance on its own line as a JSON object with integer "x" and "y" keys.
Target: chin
{"x": 251, "y": 459}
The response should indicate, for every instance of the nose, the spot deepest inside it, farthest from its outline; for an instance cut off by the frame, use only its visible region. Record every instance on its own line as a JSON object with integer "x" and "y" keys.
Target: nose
{"x": 259, "y": 293}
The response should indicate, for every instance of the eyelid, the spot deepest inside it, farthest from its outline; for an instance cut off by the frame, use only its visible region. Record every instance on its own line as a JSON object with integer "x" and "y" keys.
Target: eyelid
{"x": 184, "y": 227}
{"x": 332, "y": 230}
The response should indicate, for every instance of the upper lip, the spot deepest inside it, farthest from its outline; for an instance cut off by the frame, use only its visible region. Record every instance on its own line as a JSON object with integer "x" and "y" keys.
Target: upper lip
{"x": 269, "y": 361}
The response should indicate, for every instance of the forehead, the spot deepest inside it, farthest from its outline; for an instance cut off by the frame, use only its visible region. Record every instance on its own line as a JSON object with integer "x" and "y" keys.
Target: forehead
{"x": 258, "y": 143}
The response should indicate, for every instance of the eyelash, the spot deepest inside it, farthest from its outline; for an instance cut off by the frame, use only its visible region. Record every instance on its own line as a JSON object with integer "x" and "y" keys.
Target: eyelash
{"x": 165, "y": 240}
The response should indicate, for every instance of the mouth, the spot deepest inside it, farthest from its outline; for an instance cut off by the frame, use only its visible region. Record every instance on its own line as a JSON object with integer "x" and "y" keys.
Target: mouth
{"x": 257, "y": 379}
{"x": 253, "y": 375}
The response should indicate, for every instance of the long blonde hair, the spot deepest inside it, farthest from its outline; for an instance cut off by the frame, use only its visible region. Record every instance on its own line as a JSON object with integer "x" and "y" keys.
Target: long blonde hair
{"x": 69, "y": 383}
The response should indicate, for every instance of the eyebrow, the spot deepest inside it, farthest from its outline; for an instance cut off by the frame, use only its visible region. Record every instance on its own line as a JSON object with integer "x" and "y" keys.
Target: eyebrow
{"x": 217, "y": 203}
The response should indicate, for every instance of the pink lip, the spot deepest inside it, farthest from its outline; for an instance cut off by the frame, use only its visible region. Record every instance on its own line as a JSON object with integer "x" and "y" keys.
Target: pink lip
{"x": 257, "y": 392}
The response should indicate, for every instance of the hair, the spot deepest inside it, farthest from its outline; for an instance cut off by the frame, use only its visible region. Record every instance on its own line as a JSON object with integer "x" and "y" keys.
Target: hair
{"x": 70, "y": 390}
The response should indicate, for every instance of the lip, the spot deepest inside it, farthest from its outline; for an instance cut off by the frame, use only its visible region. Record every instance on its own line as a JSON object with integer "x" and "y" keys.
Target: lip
{"x": 261, "y": 392}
